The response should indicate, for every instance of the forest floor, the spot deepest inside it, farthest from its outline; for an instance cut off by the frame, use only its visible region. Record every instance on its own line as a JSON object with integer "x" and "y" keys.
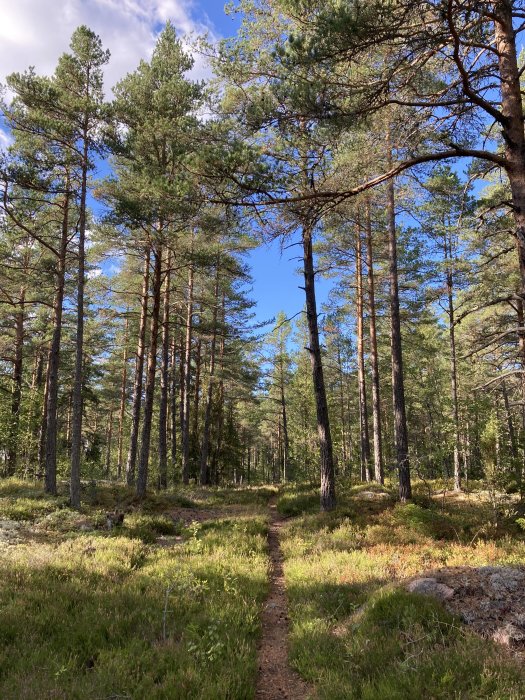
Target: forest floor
{"x": 276, "y": 679}
{"x": 214, "y": 594}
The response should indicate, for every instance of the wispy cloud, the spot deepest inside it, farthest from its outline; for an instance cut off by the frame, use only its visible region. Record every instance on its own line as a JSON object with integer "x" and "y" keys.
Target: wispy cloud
{"x": 36, "y": 32}
{"x": 5, "y": 140}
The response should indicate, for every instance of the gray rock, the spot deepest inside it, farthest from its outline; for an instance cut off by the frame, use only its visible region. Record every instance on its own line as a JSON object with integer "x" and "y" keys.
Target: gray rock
{"x": 491, "y": 569}
{"x": 373, "y": 495}
{"x": 468, "y": 616}
{"x": 506, "y": 581}
{"x": 9, "y": 531}
{"x": 519, "y": 619}
{"x": 431, "y": 587}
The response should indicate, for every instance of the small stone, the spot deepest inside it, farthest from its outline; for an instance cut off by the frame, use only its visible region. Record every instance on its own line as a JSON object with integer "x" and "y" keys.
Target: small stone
{"x": 431, "y": 587}
{"x": 468, "y": 616}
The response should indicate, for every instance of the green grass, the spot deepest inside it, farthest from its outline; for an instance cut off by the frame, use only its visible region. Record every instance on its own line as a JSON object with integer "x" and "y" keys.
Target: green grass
{"x": 355, "y": 633}
{"x": 107, "y": 614}
{"x": 403, "y": 646}
{"x": 91, "y": 613}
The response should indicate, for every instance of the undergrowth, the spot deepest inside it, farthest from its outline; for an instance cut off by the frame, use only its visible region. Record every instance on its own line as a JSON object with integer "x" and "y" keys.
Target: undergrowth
{"x": 168, "y": 605}
{"x": 87, "y": 612}
{"x": 355, "y": 633}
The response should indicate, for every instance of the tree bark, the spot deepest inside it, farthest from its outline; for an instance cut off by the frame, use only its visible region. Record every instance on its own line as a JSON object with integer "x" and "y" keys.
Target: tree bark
{"x": 139, "y": 371}
{"x": 342, "y": 409}
{"x": 42, "y": 436}
{"x": 323, "y": 423}
{"x": 453, "y": 364}
{"x": 173, "y": 404}
{"x": 510, "y": 424}
{"x": 514, "y": 142}
{"x": 286, "y": 439}
{"x": 33, "y": 432}
{"x": 68, "y": 422}
{"x": 78, "y": 384}
{"x": 374, "y": 356}
{"x": 164, "y": 380}
{"x": 109, "y": 437}
{"x": 361, "y": 376}
{"x": 186, "y": 384}
{"x": 123, "y": 395}
{"x": 54, "y": 356}
{"x": 142, "y": 472}
{"x": 220, "y": 418}
{"x": 520, "y": 312}
{"x": 204, "y": 467}
{"x": 196, "y": 392}
{"x": 398, "y": 388}
{"x": 16, "y": 395}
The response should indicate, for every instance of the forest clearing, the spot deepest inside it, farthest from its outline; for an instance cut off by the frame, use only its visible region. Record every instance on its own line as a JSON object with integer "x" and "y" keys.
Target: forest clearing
{"x": 262, "y": 349}
{"x": 174, "y": 603}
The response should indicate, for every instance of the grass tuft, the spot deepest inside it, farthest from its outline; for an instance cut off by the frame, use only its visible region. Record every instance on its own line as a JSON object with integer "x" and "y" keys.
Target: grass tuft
{"x": 356, "y": 634}
{"x": 107, "y": 614}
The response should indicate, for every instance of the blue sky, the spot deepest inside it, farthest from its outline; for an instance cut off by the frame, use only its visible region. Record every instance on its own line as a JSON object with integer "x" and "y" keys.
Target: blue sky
{"x": 36, "y": 32}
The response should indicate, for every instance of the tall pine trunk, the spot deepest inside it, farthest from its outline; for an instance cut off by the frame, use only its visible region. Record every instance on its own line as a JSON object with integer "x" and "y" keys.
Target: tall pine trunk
{"x": 76, "y": 438}
{"x": 342, "y": 408}
{"x": 173, "y": 403}
{"x": 185, "y": 389}
{"x": 42, "y": 433}
{"x": 398, "y": 387}
{"x": 361, "y": 376}
{"x": 510, "y": 424}
{"x": 286, "y": 439}
{"x": 204, "y": 467}
{"x": 374, "y": 356}
{"x": 323, "y": 422}
{"x": 216, "y": 474}
{"x": 164, "y": 379}
{"x": 123, "y": 393}
{"x": 514, "y": 144}
{"x": 33, "y": 432}
{"x": 109, "y": 437}
{"x": 196, "y": 392}
{"x": 453, "y": 363}
{"x": 16, "y": 394}
{"x": 143, "y": 465}
{"x": 54, "y": 356}
{"x": 139, "y": 372}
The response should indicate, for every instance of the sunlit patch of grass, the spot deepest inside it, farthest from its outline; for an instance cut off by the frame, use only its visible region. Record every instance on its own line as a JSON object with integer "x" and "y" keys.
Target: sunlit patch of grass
{"x": 26, "y": 508}
{"x": 355, "y": 634}
{"x": 26, "y": 500}
{"x": 407, "y": 646}
{"x": 21, "y": 488}
{"x": 109, "y": 614}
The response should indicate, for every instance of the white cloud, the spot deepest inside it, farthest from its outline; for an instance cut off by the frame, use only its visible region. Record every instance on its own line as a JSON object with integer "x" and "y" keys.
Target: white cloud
{"x": 5, "y": 140}
{"x": 37, "y": 32}
{"x": 114, "y": 269}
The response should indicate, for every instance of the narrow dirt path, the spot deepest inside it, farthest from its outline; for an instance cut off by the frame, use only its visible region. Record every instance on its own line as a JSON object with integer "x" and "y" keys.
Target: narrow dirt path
{"x": 276, "y": 680}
